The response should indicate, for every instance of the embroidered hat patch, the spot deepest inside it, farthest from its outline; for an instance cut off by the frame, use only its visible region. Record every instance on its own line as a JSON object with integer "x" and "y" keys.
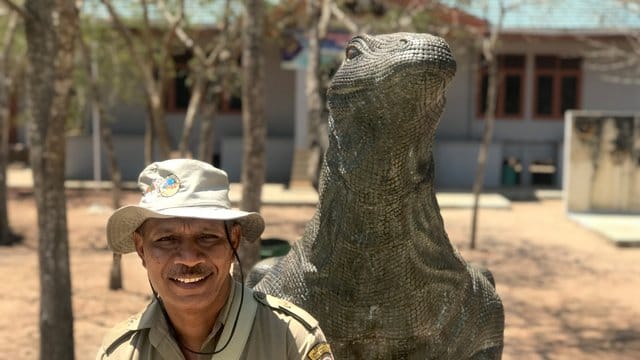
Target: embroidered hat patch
{"x": 169, "y": 186}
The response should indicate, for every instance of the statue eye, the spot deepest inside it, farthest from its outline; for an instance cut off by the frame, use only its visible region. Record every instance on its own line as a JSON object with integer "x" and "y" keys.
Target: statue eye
{"x": 352, "y": 52}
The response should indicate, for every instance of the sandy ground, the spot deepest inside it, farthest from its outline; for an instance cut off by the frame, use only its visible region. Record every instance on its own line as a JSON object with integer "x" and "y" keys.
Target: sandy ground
{"x": 568, "y": 293}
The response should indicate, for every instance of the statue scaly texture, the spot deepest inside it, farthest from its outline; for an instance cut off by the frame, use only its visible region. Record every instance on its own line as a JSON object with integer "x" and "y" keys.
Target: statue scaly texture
{"x": 375, "y": 265}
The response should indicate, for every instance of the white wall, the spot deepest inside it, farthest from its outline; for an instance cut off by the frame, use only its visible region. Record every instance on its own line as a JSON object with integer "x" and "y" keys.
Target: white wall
{"x": 127, "y": 121}
{"x": 526, "y": 138}
{"x": 456, "y": 165}
{"x": 455, "y": 123}
{"x": 457, "y": 136}
{"x": 278, "y": 158}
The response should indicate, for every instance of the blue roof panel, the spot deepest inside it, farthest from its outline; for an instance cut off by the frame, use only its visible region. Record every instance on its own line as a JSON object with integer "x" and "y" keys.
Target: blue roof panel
{"x": 196, "y": 12}
{"x": 557, "y": 15}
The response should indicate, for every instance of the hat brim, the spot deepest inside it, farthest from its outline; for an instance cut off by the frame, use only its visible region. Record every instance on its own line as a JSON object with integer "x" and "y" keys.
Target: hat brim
{"x": 124, "y": 221}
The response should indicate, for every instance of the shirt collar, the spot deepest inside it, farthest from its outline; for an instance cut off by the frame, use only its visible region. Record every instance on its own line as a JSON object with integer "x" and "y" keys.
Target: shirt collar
{"x": 152, "y": 315}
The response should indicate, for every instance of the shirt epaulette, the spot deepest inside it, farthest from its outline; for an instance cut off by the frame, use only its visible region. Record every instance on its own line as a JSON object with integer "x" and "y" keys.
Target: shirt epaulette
{"x": 121, "y": 332}
{"x": 117, "y": 336}
{"x": 308, "y": 321}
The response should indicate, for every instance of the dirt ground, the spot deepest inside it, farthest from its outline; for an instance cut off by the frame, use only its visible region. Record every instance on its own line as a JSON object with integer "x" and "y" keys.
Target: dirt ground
{"x": 568, "y": 293}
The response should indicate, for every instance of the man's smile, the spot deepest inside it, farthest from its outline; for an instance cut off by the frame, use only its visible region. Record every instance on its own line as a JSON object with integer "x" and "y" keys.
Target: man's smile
{"x": 189, "y": 280}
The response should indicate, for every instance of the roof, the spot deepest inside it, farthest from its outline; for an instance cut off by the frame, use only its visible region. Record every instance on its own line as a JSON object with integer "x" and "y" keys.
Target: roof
{"x": 557, "y": 16}
{"x": 522, "y": 16}
{"x": 196, "y": 12}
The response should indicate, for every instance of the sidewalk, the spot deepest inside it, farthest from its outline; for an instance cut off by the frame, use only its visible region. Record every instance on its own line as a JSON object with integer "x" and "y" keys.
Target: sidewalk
{"x": 272, "y": 194}
{"x": 622, "y": 230}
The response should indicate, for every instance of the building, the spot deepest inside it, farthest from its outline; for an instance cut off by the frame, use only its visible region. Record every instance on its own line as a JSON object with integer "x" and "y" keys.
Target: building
{"x": 546, "y": 64}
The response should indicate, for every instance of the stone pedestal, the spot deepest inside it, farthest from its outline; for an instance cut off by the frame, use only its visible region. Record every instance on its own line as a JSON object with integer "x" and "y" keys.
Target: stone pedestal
{"x": 602, "y": 162}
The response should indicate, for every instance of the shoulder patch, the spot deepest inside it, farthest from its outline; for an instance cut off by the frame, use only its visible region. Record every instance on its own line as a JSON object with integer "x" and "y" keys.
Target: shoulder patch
{"x": 321, "y": 351}
{"x": 287, "y": 308}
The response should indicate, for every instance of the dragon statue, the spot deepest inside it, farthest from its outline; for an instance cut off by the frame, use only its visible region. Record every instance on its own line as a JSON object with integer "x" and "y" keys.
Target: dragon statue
{"x": 375, "y": 265}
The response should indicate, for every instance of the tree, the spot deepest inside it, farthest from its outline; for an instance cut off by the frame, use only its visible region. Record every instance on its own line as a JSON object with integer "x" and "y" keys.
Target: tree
{"x": 318, "y": 14}
{"x": 51, "y": 27}
{"x": 151, "y": 63}
{"x": 7, "y": 84}
{"x": 206, "y": 69}
{"x": 489, "y": 52}
{"x": 617, "y": 60}
{"x": 90, "y": 66}
{"x": 253, "y": 120}
{"x": 355, "y": 16}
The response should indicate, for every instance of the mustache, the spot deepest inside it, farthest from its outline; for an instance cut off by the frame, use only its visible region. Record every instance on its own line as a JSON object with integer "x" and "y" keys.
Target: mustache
{"x": 189, "y": 271}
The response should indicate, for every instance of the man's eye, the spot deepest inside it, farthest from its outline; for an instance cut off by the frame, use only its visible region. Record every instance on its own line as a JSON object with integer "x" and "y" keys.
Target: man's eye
{"x": 352, "y": 52}
{"x": 209, "y": 238}
{"x": 165, "y": 239}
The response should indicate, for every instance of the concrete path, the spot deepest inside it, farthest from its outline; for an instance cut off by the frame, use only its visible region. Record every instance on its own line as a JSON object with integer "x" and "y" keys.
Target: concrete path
{"x": 622, "y": 230}
{"x": 273, "y": 194}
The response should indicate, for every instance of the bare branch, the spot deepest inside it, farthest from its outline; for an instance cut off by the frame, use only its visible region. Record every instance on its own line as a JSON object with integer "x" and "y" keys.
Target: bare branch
{"x": 147, "y": 37}
{"x": 7, "y": 42}
{"x": 624, "y": 80}
{"x": 340, "y": 15}
{"x": 17, "y": 8}
{"x": 180, "y": 33}
{"x": 325, "y": 17}
{"x": 632, "y": 40}
{"x": 227, "y": 33}
{"x": 126, "y": 35}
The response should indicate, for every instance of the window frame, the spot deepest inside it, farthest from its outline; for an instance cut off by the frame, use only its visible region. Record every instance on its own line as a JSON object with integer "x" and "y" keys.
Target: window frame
{"x": 170, "y": 97}
{"x": 557, "y": 73}
{"x": 180, "y": 63}
{"x": 503, "y": 73}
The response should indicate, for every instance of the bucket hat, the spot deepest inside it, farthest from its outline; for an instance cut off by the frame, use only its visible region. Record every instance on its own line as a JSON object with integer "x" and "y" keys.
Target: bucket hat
{"x": 179, "y": 188}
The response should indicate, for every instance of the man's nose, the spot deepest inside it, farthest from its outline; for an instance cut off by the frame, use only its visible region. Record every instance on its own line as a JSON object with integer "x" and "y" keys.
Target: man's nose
{"x": 189, "y": 254}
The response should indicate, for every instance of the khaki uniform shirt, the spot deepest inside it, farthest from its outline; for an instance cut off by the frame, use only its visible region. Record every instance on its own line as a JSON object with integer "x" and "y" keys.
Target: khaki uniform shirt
{"x": 267, "y": 328}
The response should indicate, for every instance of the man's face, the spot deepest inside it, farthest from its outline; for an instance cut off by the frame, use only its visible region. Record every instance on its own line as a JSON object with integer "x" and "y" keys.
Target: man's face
{"x": 188, "y": 260}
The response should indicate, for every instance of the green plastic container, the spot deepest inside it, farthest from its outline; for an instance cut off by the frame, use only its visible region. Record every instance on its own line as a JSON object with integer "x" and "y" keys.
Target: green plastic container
{"x": 273, "y": 247}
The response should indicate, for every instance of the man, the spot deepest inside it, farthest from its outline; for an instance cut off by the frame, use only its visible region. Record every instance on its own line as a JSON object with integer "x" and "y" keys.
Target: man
{"x": 186, "y": 235}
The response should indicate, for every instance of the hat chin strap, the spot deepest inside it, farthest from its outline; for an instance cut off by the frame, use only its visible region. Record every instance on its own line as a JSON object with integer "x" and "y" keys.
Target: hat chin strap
{"x": 172, "y": 330}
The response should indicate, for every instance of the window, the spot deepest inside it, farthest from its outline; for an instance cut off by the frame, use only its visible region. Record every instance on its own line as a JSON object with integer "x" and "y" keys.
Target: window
{"x": 557, "y": 84}
{"x": 178, "y": 90}
{"x": 511, "y": 71}
{"x": 231, "y": 102}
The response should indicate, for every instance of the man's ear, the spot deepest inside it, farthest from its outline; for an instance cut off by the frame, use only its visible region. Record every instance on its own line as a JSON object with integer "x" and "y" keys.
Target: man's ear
{"x": 138, "y": 241}
{"x": 236, "y": 235}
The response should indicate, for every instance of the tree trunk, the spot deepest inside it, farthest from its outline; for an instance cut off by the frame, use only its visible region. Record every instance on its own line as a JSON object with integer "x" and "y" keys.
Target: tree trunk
{"x": 147, "y": 65}
{"x": 192, "y": 110}
{"x": 487, "y": 134}
{"x": 489, "y": 50}
{"x": 205, "y": 144}
{"x": 317, "y": 13}
{"x": 115, "y": 276}
{"x": 159, "y": 126}
{"x": 50, "y": 30}
{"x": 115, "y": 279}
{"x": 148, "y": 136}
{"x": 6, "y": 235}
{"x": 253, "y": 122}
{"x": 314, "y": 106}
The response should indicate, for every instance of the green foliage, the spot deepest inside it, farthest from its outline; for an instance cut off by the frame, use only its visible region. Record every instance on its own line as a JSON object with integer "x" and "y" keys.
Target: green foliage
{"x": 15, "y": 62}
{"x": 118, "y": 83}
